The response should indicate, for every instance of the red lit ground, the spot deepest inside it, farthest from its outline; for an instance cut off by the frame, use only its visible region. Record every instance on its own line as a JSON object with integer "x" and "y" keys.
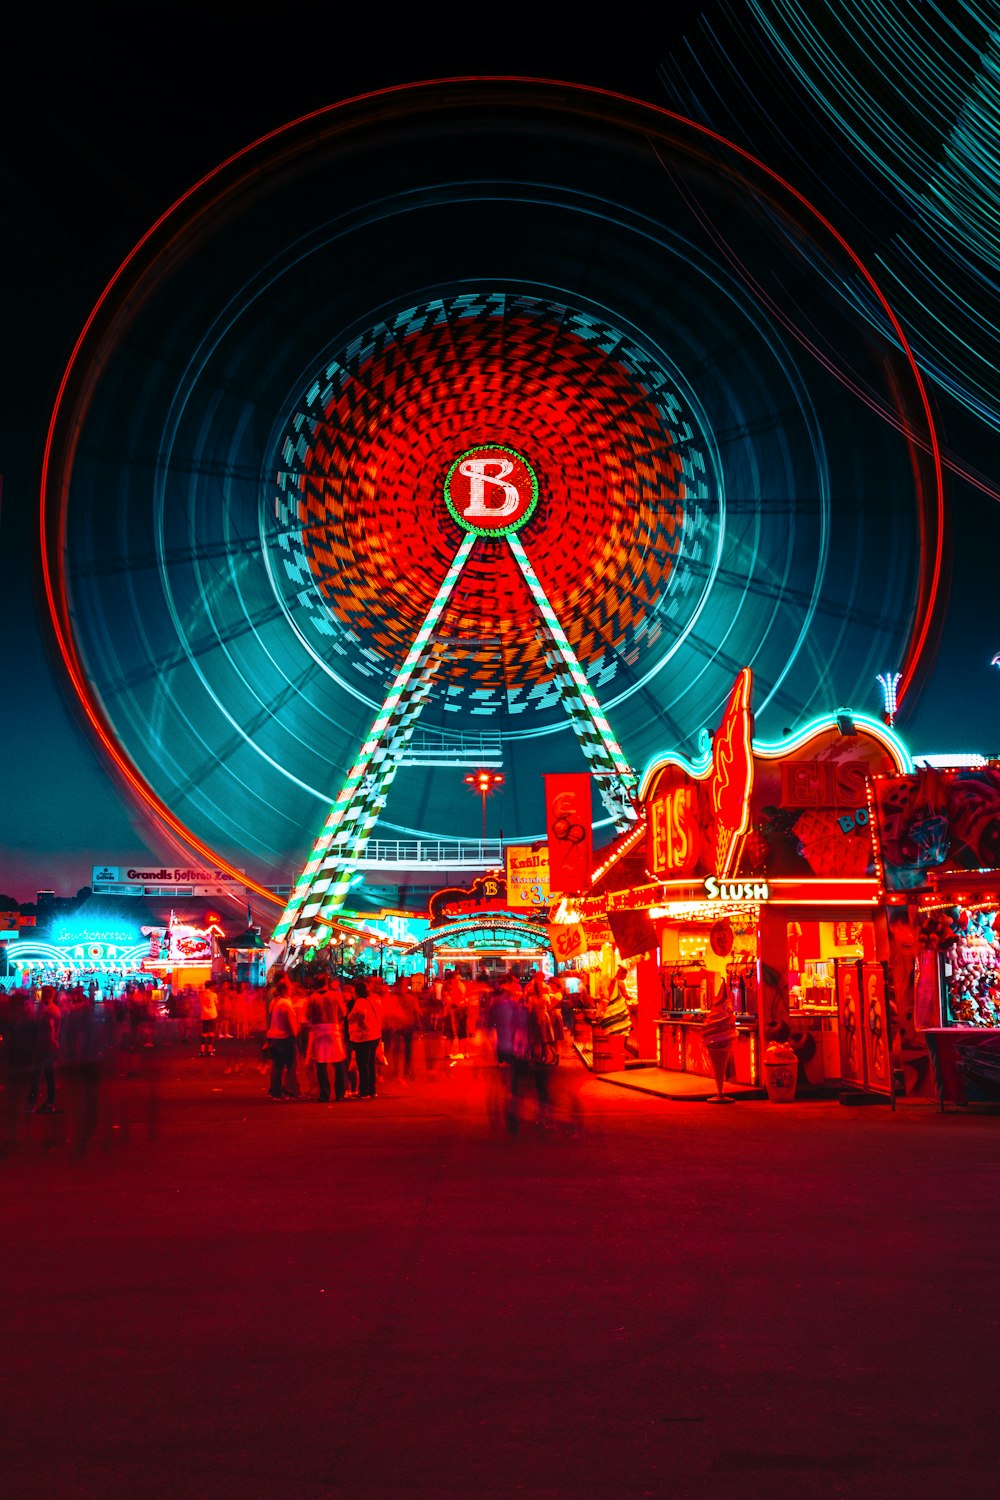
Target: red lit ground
{"x": 393, "y": 1298}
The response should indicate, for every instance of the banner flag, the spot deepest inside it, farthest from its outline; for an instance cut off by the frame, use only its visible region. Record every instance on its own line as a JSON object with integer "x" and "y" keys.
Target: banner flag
{"x": 569, "y": 822}
{"x": 568, "y": 941}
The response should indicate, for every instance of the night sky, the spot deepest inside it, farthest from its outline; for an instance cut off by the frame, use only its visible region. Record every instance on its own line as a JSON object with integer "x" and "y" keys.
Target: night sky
{"x": 103, "y": 128}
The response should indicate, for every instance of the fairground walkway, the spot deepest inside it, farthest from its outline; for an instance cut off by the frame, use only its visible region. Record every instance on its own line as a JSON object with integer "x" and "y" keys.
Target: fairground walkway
{"x": 223, "y": 1296}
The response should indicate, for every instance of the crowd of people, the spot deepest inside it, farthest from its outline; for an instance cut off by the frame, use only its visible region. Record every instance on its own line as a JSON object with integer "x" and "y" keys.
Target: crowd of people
{"x": 349, "y": 1033}
{"x": 322, "y": 1038}
{"x": 57, "y": 1043}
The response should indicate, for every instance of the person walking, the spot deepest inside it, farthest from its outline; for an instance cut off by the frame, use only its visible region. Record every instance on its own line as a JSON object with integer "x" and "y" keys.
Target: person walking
{"x": 325, "y": 1047}
{"x": 84, "y": 1049}
{"x": 48, "y": 1019}
{"x": 282, "y": 1029}
{"x": 18, "y": 1056}
{"x": 364, "y": 1028}
{"x": 615, "y": 1018}
{"x": 209, "y": 1020}
{"x": 507, "y": 1023}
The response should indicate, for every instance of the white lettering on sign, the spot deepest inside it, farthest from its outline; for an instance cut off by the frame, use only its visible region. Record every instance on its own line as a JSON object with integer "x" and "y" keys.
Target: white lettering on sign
{"x": 736, "y": 890}
{"x": 474, "y": 470}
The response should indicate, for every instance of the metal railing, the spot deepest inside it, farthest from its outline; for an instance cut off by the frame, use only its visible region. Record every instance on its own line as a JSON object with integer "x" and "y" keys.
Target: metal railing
{"x": 445, "y": 854}
{"x": 430, "y": 747}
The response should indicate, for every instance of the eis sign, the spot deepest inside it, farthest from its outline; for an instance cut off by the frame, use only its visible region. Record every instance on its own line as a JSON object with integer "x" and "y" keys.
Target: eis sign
{"x": 673, "y": 832}
{"x": 795, "y": 810}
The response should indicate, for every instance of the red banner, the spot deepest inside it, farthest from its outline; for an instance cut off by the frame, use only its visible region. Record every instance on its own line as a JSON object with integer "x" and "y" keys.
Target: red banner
{"x": 851, "y": 1021}
{"x": 569, "y": 820}
{"x": 875, "y": 1029}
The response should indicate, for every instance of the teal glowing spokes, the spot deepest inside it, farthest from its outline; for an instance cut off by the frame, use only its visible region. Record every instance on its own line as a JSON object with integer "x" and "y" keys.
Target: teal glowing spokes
{"x": 606, "y": 758}
{"x": 326, "y": 878}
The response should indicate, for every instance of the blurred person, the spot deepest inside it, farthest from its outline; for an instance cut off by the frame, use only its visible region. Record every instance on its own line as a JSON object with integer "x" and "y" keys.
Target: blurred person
{"x": 476, "y": 991}
{"x": 432, "y": 1004}
{"x": 185, "y": 1020}
{"x": 507, "y": 1022}
{"x": 84, "y": 1047}
{"x": 209, "y": 1020}
{"x": 614, "y": 1015}
{"x": 224, "y": 994}
{"x": 434, "y": 1042}
{"x": 556, "y": 1015}
{"x": 48, "y": 1019}
{"x": 242, "y": 1011}
{"x": 364, "y": 1028}
{"x": 326, "y": 1047}
{"x": 541, "y": 1030}
{"x": 401, "y": 1032}
{"x": 282, "y": 1030}
{"x": 542, "y": 1051}
{"x": 453, "y": 996}
{"x": 18, "y": 1052}
{"x": 301, "y": 993}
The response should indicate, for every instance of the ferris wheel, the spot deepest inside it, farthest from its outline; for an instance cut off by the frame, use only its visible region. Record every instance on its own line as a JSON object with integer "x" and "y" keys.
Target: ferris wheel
{"x": 374, "y": 462}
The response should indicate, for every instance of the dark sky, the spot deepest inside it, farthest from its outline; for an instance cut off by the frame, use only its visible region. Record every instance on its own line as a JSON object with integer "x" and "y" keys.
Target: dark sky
{"x": 109, "y": 111}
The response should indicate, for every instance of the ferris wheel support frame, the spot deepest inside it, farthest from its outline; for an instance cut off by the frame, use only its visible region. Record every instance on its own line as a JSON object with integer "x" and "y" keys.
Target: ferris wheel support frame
{"x": 322, "y": 888}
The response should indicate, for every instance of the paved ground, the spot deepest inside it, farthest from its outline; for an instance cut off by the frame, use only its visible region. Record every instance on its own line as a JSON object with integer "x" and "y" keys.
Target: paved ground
{"x": 230, "y": 1297}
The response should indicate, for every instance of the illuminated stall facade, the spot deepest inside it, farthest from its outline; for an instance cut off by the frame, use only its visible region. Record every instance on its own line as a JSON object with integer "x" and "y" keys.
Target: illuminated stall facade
{"x": 105, "y": 955}
{"x": 756, "y": 871}
{"x": 939, "y": 861}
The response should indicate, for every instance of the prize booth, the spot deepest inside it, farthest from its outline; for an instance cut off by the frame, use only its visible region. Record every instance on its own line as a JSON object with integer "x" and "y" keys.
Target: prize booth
{"x": 753, "y": 875}
{"x": 939, "y": 860}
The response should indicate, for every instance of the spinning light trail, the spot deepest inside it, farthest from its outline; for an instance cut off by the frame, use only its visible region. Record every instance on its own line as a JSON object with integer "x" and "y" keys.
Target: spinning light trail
{"x": 246, "y": 550}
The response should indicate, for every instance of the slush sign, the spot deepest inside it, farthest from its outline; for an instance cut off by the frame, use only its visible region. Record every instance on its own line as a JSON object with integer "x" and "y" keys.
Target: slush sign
{"x": 736, "y": 890}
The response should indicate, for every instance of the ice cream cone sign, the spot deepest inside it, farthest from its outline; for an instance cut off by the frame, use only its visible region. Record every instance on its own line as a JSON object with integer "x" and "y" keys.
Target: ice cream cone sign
{"x": 718, "y": 1035}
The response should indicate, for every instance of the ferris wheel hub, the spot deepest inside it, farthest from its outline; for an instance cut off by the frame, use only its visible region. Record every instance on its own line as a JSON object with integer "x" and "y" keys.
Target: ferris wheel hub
{"x": 491, "y": 490}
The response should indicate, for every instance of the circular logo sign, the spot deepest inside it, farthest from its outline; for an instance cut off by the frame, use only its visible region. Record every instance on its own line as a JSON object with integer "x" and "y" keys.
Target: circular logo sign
{"x": 491, "y": 490}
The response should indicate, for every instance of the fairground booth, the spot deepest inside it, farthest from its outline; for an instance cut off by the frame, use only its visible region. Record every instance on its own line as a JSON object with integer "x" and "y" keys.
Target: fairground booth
{"x": 938, "y": 840}
{"x": 104, "y": 952}
{"x": 753, "y": 870}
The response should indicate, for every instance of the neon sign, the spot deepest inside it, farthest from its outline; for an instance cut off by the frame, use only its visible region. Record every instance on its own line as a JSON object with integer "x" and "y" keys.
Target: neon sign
{"x": 798, "y": 808}
{"x": 488, "y": 893}
{"x": 709, "y": 813}
{"x": 70, "y": 933}
{"x": 732, "y": 773}
{"x": 736, "y": 890}
{"x": 491, "y": 490}
{"x": 673, "y": 831}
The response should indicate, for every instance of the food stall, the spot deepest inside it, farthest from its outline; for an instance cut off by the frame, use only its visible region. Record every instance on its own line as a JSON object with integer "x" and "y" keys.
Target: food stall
{"x": 939, "y": 860}
{"x": 755, "y": 872}
{"x": 245, "y": 957}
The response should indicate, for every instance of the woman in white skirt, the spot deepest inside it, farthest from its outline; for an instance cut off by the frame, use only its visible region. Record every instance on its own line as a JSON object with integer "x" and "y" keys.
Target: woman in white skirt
{"x": 326, "y": 1044}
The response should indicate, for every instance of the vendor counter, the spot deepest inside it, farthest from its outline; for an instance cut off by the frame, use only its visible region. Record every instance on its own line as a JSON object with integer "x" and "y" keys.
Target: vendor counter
{"x": 680, "y": 1049}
